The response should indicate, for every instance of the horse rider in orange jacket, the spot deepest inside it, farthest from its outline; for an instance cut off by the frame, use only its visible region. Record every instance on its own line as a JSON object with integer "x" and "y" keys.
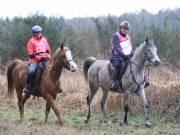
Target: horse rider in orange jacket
{"x": 38, "y": 50}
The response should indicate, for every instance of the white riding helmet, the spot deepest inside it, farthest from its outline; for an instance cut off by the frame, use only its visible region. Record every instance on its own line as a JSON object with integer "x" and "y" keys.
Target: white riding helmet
{"x": 125, "y": 24}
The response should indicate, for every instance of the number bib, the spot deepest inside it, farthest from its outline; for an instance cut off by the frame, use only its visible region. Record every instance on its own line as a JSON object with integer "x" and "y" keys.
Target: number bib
{"x": 126, "y": 47}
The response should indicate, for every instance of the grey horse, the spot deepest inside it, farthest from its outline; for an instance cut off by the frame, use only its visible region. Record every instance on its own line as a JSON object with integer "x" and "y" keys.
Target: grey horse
{"x": 97, "y": 74}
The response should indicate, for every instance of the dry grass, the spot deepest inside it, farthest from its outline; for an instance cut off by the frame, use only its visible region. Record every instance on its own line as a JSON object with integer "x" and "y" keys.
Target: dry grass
{"x": 163, "y": 93}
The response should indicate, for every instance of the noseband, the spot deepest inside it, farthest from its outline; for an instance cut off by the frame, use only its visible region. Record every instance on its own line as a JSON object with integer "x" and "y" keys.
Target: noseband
{"x": 67, "y": 63}
{"x": 147, "y": 57}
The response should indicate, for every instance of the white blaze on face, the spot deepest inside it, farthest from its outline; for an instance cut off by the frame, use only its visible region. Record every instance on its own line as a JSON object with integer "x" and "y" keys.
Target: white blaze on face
{"x": 73, "y": 65}
{"x": 155, "y": 56}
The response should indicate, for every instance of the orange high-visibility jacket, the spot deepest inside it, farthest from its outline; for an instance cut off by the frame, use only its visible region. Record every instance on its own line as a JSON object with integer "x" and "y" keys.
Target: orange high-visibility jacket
{"x": 38, "y": 48}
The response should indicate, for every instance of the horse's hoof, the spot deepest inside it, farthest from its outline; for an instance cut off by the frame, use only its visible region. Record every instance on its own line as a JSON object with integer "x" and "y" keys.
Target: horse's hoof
{"x": 45, "y": 122}
{"x": 59, "y": 91}
{"x": 19, "y": 121}
{"x": 148, "y": 124}
{"x": 86, "y": 121}
{"x": 60, "y": 123}
{"x": 123, "y": 123}
{"x": 104, "y": 121}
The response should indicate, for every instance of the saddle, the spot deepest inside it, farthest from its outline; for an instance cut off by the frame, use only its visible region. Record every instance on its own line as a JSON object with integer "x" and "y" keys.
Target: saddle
{"x": 39, "y": 71}
{"x": 121, "y": 73}
{"x": 35, "y": 81}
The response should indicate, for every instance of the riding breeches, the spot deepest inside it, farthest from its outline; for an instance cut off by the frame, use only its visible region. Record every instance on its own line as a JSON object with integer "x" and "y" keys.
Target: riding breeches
{"x": 32, "y": 68}
{"x": 117, "y": 63}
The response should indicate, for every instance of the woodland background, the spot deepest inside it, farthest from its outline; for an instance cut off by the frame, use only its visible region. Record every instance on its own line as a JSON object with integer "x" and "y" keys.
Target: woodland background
{"x": 91, "y": 36}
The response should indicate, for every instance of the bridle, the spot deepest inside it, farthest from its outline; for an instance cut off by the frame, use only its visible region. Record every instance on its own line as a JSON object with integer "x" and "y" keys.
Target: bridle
{"x": 67, "y": 64}
{"x": 146, "y": 58}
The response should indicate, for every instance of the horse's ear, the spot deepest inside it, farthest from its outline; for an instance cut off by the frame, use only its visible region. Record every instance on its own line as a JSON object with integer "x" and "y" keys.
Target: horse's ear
{"x": 62, "y": 46}
{"x": 147, "y": 39}
{"x": 152, "y": 41}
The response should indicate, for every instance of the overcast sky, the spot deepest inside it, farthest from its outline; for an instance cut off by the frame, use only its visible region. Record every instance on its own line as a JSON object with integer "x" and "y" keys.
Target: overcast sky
{"x": 81, "y": 8}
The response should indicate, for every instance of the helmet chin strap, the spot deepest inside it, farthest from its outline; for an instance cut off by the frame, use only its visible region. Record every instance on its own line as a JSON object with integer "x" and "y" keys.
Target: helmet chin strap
{"x": 123, "y": 34}
{"x": 37, "y": 35}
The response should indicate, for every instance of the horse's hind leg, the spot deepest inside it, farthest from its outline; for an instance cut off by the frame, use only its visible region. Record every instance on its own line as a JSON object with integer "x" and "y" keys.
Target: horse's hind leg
{"x": 104, "y": 104}
{"x": 92, "y": 92}
{"x": 21, "y": 110}
{"x": 21, "y": 101}
{"x": 24, "y": 98}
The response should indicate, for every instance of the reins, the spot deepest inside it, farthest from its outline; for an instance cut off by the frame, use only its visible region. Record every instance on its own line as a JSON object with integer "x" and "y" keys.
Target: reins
{"x": 132, "y": 73}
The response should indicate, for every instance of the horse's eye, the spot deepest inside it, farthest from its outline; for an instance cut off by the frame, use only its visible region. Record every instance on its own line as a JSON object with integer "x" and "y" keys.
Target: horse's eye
{"x": 148, "y": 50}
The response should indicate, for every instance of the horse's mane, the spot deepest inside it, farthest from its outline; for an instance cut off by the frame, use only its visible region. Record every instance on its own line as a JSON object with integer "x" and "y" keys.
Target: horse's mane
{"x": 56, "y": 55}
{"x": 139, "y": 49}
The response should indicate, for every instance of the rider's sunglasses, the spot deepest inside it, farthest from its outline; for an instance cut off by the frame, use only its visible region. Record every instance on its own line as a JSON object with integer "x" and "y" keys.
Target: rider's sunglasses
{"x": 126, "y": 28}
{"x": 36, "y": 32}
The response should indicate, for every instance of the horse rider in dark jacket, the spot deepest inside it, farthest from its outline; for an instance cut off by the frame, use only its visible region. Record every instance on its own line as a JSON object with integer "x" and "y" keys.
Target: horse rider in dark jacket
{"x": 121, "y": 50}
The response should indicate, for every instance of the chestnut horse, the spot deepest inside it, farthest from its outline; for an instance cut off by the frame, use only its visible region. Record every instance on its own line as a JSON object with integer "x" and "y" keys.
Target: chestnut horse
{"x": 47, "y": 88}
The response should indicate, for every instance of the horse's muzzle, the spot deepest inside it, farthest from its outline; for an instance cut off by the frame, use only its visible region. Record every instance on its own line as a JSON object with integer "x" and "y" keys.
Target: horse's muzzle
{"x": 157, "y": 63}
{"x": 73, "y": 69}
{"x": 73, "y": 66}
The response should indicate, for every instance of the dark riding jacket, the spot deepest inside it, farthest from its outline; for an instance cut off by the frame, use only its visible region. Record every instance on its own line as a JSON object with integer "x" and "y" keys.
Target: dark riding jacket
{"x": 119, "y": 44}
{"x": 121, "y": 49}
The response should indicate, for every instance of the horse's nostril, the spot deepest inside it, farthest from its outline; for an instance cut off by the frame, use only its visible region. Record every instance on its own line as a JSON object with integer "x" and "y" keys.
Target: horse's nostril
{"x": 157, "y": 62}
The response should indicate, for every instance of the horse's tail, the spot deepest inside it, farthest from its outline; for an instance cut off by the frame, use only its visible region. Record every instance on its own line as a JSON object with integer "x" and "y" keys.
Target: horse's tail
{"x": 87, "y": 63}
{"x": 9, "y": 75}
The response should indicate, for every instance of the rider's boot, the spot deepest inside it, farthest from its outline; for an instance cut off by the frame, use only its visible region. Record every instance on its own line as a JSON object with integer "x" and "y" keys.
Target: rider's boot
{"x": 114, "y": 86}
{"x": 28, "y": 84}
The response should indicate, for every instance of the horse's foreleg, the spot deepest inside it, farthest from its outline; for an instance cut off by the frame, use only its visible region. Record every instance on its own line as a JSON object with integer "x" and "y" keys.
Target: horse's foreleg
{"x": 126, "y": 101}
{"x": 48, "y": 107}
{"x": 104, "y": 104}
{"x": 142, "y": 97}
{"x": 51, "y": 102}
{"x": 89, "y": 100}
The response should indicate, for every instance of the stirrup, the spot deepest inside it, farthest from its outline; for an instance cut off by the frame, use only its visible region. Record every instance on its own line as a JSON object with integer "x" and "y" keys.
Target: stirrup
{"x": 146, "y": 84}
{"x": 25, "y": 90}
{"x": 59, "y": 90}
{"x": 114, "y": 87}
